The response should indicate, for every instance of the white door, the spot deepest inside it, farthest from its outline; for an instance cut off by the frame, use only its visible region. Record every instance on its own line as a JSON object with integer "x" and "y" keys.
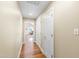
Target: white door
{"x": 49, "y": 34}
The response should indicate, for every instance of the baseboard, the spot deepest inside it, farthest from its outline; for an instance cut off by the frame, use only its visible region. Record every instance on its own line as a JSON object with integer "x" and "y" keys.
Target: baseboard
{"x": 40, "y": 47}
{"x": 20, "y": 50}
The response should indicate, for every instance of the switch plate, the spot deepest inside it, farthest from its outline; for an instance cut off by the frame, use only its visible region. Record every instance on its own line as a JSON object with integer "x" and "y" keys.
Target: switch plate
{"x": 76, "y": 31}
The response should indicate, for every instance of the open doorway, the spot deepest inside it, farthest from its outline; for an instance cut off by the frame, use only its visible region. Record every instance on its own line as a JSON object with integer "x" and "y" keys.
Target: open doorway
{"x": 29, "y": 30}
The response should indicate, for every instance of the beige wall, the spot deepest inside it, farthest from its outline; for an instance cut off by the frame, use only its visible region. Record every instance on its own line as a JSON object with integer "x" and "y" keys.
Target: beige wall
{"x": 66, "y": 19}
{"x": 10, "y": 29}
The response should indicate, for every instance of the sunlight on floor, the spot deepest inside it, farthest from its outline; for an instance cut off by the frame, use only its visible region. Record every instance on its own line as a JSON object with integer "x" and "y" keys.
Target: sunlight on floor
{"x": 30, "y": 39}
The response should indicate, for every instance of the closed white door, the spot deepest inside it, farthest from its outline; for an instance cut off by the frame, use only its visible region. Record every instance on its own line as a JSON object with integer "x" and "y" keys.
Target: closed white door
{"x": 49, "y": 35}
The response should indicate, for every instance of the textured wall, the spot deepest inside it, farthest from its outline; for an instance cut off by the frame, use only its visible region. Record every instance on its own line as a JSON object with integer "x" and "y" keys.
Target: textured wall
{"x": 10, "y": 29}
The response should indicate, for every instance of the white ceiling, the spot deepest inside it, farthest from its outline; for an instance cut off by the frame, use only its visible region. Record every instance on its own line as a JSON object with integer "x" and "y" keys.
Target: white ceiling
{"x": 32, "y": 9}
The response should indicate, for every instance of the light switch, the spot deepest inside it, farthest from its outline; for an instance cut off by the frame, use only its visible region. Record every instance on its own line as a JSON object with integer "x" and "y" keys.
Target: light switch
{"x": 76, "y": 31}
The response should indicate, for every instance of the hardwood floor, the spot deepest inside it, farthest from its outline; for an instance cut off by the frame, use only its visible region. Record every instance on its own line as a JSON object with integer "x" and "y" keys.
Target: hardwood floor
{"x": 33, "y": 52}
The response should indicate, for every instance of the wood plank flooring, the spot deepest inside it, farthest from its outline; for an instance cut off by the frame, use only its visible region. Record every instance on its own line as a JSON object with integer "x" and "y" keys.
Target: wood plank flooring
{"x": 33, "y": 52}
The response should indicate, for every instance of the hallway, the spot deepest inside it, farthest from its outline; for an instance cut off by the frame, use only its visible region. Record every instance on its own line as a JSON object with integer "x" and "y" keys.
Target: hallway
{"x": 37, "y": 39}
{"x": 29, "y": 48}
{"x": 26, "y": 29}
{"x": 39, "y": 29}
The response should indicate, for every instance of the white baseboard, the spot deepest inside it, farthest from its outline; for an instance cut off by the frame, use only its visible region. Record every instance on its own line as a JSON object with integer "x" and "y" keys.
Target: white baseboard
{"x": 40, "y": 47}
{"x": 19, "y": 50}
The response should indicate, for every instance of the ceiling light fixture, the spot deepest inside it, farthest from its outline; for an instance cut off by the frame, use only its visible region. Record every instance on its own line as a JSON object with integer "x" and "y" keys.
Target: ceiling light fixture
{"x": 30, "y": 14}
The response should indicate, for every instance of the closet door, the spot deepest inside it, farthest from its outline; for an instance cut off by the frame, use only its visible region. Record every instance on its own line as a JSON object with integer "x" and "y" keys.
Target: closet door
{"x": 49, "y": 34}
